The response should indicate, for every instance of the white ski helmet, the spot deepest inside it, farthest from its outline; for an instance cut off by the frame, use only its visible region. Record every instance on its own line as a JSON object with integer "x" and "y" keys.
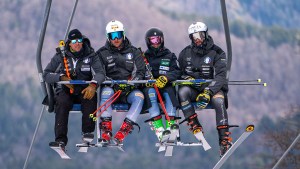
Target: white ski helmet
{"x": 197, "y": 27}
{"x": 115, "y": 26}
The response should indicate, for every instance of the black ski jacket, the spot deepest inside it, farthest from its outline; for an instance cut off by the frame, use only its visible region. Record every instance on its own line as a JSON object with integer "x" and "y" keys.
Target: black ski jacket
{"x": 206, "y": 62}
{"x": 83, "y": 66}
{"x": 164, "y": 62}
{"x": 124, "y": 64}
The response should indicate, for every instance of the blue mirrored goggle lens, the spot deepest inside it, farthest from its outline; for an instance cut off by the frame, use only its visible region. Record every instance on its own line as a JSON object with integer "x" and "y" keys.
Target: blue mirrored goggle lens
{"x": 76, "y": 40}
{"x": 115, "y": 35}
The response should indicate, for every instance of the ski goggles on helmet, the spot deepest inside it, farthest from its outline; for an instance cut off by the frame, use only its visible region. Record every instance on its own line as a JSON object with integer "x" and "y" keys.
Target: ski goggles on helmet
{"x": 198, "y": 35}
{"x": 155, "y": 40}
{"x": 76, "y": 40}
{"x": 114, "y": 35}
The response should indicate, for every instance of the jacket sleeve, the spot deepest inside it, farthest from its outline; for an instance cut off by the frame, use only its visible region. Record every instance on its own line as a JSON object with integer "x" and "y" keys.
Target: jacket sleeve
{"x": 97, "y": 69}
{"x": 50, "y": 75}
{"x": 174, "y": 72}
{"x": 182, "y": 63}
{"x": 220, "y": 72}
{"x": 139, "y": 65}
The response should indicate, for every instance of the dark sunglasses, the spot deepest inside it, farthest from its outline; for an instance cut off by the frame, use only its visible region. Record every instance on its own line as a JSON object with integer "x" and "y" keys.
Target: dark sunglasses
{"x": 76, "y": 40}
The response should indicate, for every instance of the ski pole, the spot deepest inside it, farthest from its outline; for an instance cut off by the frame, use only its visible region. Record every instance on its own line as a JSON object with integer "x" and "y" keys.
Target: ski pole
{"x": 156, "y": 89}
{"x": 117, "y": 94}
{"x": 255, "y": 84}
{"x": 62, "y": 50}
{"x": 106, "y": 107}
{"x": 256, "y": 80}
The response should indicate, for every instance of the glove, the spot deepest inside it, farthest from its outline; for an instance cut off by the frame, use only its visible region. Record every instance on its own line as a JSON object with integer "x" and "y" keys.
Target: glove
{"x": 186, "y": 77}
{"x": 149, "y": 84}
{"x": 65, "y": 78}
{"x": 89, "y": 92}
{"x": 203, "y": 98}
{"x": 161, "y": 81}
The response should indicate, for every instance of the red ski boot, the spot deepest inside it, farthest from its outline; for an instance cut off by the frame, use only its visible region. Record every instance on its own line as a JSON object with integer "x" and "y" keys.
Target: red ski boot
{"x": 106, "y": 130}
{"x": 125, "y": 129}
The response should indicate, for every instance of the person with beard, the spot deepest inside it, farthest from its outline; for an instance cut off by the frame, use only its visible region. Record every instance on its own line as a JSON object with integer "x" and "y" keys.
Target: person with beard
{"x": 202, "y": 59}
{"x": 122, "y": 61}
{"x": 78, "y": 61}
{"x": 164, "y": 69}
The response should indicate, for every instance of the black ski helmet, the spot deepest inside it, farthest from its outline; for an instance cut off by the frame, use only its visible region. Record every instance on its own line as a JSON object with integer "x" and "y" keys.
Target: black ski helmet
{"x": 154, "y": 32}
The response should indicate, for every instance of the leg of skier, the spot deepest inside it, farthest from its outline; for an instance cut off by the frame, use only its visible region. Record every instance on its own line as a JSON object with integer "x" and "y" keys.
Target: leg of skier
{"x": 106, "y": 117}
{"x": 156, "y": 119}
{"x": 64, "y": 103}
{"x": 88, "y": 125}
{"x": 225, "y": 141}
{"x": 186, "y": 95}
{"x": 171, "y": 110}
{"x": 136, "y": 99}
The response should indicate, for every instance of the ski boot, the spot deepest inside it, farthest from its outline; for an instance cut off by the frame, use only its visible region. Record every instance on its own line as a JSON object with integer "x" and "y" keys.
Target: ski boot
{"x": 194, "y": 123}
{"x": 87, "y": 137}
{"x": 169, "y": 124}
{"x": 225, "y": 141}
{"x": 59, "y": 144}
{"x": 124, "y": 130}
{"x": 157, "y": 126}
{"x": 106, "y": 130}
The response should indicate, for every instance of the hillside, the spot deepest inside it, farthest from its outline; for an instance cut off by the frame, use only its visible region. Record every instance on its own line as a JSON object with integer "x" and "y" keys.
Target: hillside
{"x": 253, "y": 57}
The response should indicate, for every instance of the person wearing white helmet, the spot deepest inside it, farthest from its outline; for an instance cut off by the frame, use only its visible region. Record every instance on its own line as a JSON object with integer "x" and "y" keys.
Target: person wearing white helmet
{"x": 202, "y": 59}
{"x": 122, "y": 61}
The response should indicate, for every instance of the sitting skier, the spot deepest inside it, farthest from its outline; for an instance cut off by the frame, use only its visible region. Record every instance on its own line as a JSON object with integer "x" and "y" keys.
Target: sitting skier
{"x": 163, "y": 67}
{"x": 122, "y": 61}
{"x": 205, "y": 60}
{"x": 78, "y": 61}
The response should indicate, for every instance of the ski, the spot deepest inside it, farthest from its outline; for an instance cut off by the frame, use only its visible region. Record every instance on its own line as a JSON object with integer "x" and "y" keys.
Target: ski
{"x": 165, "y": 138}
{"x": 199, "y": 135}
{"x": 179, "y": 143}
{"x": 110, "y": 145}
{"x": 249, "y": 129}
{"x": 172, "y": 139}
{"x": 59, "y": 150}
{"x": 86, "y": 141}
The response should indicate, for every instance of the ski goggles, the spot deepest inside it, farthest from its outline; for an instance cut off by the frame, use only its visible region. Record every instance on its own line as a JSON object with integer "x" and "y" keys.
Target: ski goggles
{"x": 155, "y": 40}
{"x": 76, "y": 40}
{"x": 198, "y": 35}
{"x": 114, "y": 35}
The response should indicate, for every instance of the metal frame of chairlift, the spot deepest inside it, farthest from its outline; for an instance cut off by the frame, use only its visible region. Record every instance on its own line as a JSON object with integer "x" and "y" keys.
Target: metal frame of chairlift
{"x": 46, "y": 88}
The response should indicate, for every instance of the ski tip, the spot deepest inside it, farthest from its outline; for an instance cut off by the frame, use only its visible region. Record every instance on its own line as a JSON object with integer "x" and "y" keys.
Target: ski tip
{"x": 250, "y": 128}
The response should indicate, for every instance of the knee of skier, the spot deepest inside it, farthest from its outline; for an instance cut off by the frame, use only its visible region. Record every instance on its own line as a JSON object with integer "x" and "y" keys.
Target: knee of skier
{"x": 217, "y": 100}
{"x": 106, "y": 93}
{"x": 137, "y": 96}
{"x": 152, "y": 95}
{"x": 183, "y": 93}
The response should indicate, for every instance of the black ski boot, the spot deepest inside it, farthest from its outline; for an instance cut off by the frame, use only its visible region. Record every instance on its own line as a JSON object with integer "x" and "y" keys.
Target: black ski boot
{"x": 225, "y": 141}
{"x": 87, "y": 137}
{"x": 106, "y": 130}
{"x": 194, "y": 123}
{"x": 60, "y": 144}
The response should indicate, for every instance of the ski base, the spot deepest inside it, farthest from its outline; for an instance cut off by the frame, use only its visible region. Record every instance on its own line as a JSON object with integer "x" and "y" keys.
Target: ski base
{"x": 61, "y": 152}
{"x": 111, "y": 145}
{"x": 249, "y": 129}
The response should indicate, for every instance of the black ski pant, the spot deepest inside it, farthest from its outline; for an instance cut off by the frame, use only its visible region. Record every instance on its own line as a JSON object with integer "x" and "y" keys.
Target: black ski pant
{"x": 187, "y": 95}
{"x": 64, "y": 103}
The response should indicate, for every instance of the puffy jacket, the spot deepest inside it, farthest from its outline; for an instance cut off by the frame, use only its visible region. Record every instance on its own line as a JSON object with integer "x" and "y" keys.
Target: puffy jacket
{"x": 85, "y": 65}
{"x": 206, "y": 62}
{"x": 163, "y": 62}
{"x": 124, "y": 64}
